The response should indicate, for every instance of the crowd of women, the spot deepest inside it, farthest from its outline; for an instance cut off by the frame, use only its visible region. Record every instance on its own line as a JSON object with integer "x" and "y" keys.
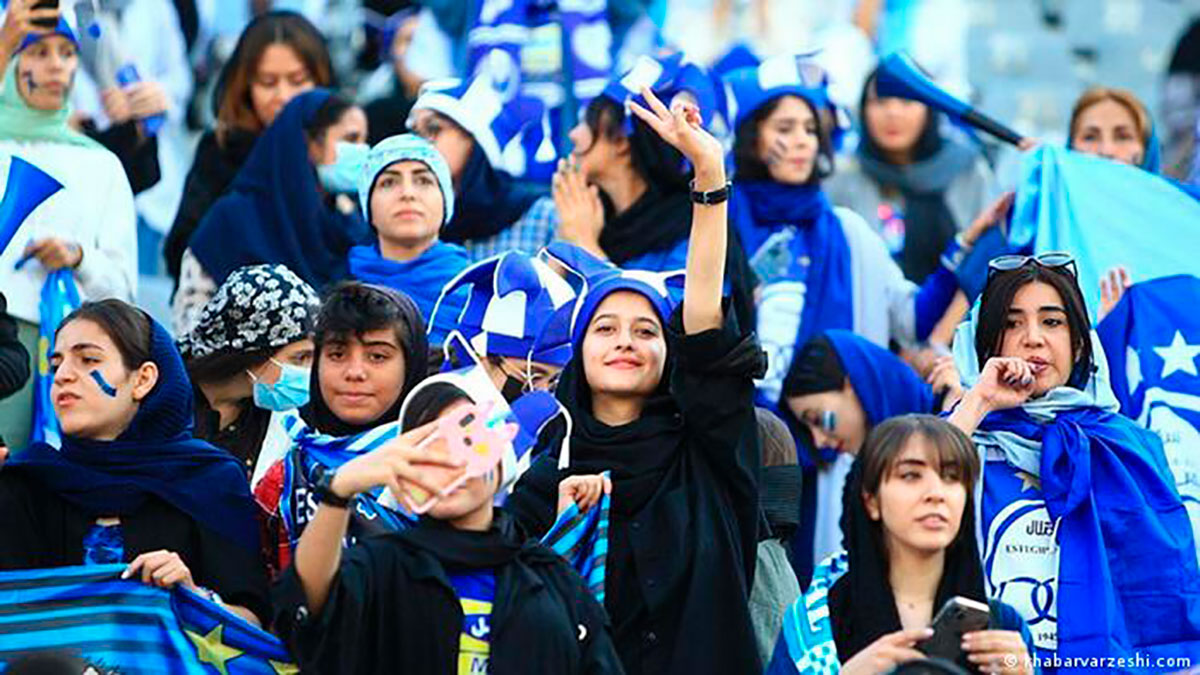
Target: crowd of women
{"x": 741, "y": 340}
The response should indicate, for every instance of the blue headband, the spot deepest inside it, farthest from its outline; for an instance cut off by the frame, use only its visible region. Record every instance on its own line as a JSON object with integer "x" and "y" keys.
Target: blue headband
{"x": 61, "y": 28}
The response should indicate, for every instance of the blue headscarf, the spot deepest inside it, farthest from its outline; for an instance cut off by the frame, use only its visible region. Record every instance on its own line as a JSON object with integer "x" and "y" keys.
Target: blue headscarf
{"x": 155, "y": 457}
{"x": 274, "y": 212}
{"x": 885, "y": 385}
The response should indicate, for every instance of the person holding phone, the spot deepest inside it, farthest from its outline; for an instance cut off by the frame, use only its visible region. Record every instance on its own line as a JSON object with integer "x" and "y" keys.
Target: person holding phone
{"x": 460, "y": 591}
{"x": 908, "y": 524}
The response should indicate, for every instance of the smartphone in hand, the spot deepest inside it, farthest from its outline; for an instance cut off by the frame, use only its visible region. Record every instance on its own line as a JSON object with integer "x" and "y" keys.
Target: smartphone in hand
{"x": 956, "y": 618}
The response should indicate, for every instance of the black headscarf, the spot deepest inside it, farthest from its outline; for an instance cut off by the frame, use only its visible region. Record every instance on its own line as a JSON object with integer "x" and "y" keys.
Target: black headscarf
{"x": 390, "y": 307}
{"x": 936, "y": 162}
{"x": 488, "y": 200}
{"x": 862, "y": 607}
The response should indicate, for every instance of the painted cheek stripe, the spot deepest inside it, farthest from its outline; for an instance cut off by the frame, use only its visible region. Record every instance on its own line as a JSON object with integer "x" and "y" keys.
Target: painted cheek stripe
{"x": 104, "y": 386}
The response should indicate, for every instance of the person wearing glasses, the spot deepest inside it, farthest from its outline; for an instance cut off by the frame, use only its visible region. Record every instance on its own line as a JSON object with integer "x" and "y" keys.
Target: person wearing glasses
{"x": 818, "y": 267}
{"x": 1081, "y": 527}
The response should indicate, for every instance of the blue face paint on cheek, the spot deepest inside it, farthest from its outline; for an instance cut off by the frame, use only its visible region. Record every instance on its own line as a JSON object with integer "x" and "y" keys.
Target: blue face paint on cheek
{"x": 104, "y": 386}
{"x": 29, "y": 83}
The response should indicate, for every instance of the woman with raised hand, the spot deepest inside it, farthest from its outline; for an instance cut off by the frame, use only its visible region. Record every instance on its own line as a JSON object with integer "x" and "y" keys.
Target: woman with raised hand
{"x": 663, "y": 398}
{"x": 130, "y": 484}
{"x": 460, "y": 591}
{"x": 909, "y": 547}
{"x": 623, "y": 194}
{"x": 1082, "y": 528}
{"x": 86, "y": 224}
{"x": 280, "y": 209}
{"x": 278, "y": 56}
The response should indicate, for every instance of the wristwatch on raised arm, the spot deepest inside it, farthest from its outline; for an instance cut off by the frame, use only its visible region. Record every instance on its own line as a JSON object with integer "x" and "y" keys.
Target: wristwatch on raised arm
{"x": 322, "y": 488}
{"x": 710, "y": 198}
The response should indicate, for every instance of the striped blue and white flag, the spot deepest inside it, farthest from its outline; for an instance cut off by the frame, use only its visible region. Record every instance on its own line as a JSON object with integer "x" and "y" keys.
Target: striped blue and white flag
{"x": 582, "y": 539}
{"x": 125, "y": 626}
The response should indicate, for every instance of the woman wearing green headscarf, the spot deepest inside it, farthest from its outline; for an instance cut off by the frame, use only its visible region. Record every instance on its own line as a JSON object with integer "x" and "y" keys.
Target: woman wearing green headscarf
{"x": 88, "y": 225}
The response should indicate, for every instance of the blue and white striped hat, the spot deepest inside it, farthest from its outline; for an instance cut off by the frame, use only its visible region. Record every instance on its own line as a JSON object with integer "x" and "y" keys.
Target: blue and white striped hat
{"x": 667, "y": 77}
{"x": 748, "y": 89}
{"x": 478, "y": 107}
{"x": 599, "y": 279}
{"x": 516, "y": 306}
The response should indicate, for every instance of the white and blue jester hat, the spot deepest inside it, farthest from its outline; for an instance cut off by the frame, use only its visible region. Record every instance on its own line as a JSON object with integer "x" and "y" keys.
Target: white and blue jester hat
{"x": 748, "y": 89}
{"x": 478, "y": 107}
{"x": 404, "y": 147}
{"x": 668, "y": 77}
{"x": 516, "y": 306}
{"x": 598, "y": 279}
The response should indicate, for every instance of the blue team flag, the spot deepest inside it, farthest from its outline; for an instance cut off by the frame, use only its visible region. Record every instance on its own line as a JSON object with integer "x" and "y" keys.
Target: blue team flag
{"x": 60, "y": 297}
{"x": 1106, "y": 214}
{"x": 1152, "y": 340}
{"x": 582, "y": 539}
{"x": 128, "y": 627}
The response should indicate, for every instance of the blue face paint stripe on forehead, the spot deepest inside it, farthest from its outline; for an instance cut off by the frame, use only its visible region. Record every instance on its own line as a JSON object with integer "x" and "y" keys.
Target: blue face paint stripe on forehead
{"x": 104, "y": 386}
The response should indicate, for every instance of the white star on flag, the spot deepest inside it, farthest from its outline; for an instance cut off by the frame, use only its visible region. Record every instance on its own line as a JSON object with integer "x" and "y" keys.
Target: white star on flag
{"x": 1179, "y": 356}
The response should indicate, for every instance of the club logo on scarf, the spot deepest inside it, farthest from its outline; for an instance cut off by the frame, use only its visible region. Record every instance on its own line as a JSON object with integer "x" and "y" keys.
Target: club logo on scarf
{"x": 1020, "y": 556}
{"x": 1152, "y": 341}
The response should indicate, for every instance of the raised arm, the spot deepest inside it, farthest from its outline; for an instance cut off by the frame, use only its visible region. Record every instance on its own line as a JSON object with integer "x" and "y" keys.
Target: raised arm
{"x": 681, "y": 126}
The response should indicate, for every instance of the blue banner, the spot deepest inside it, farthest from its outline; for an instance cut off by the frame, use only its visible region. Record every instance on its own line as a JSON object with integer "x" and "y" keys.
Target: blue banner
{"x": 1106, "y": 214}
{"x": 582, "y": 539}
{"x": 128, "y": 627}
{"x": 1152, "y": 341}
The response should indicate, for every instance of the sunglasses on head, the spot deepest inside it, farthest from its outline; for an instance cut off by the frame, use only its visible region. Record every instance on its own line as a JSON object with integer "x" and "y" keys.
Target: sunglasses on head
{"x": 1051, "y": 260}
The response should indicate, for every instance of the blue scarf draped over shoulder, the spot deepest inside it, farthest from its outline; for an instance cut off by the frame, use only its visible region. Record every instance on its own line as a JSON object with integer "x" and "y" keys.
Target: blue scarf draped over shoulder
{"x": 156, "y": 456}
{"x": 274, "y": 211}
{"x": 761, "y": 209}
{"x": 421, "y": 279}
{"x": 1128, "y": 580}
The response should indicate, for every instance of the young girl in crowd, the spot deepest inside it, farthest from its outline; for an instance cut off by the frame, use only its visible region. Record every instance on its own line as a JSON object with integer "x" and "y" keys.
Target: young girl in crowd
{"x": 915, "y": 185}
{"x": 470, "y": 125}
{"x": 662, "y": 398}
{"x": 407, "y": 196}
{"x": 1082, "y": 529}
{"x": 87, "y": 225}
{"x": 276, "y": 210}
{"x": 909, "y": 540}
{"x": 249, "y": 358}
{"x": 278, "y": 56}
{"x": 130, "y": 483}
{"x": 461, "y": 591}
{"x": 370, "y": 352}
{"x": 838, "y": 388}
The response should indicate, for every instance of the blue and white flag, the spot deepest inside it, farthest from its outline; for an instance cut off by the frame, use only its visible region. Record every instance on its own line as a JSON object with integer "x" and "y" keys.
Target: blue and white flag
{"x": 129, "y": 627}
{"x": 1152, "y": 341}
{"x": 60, "y": 297}
{"x": 582, "y": 539}
{"x": 1106, "y": 214}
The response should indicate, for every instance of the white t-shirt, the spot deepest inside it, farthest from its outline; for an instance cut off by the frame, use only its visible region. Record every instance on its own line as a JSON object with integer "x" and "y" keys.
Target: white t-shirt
{"x": 93, "y": 209}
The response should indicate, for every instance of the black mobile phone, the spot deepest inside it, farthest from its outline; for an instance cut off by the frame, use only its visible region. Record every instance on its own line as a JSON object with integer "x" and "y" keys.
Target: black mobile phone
{"x": 45, "y": 23}
{"x": 957, "y": 617}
